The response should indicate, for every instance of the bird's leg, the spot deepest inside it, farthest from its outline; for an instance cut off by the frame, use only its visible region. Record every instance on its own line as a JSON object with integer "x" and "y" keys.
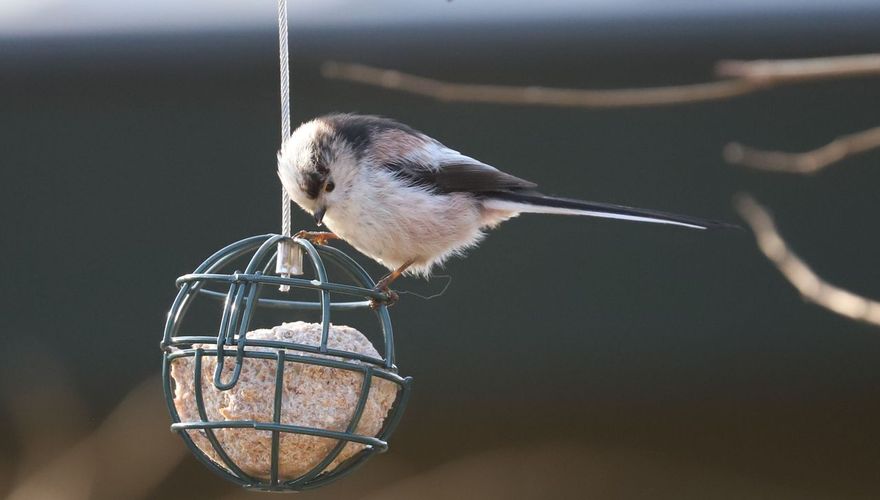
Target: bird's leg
{"x": 384, "y": 283}
{"x": 316, "y": 237}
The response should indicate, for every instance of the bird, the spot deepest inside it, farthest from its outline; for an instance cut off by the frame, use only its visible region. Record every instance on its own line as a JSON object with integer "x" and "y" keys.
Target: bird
{"x": 409, "y": 202}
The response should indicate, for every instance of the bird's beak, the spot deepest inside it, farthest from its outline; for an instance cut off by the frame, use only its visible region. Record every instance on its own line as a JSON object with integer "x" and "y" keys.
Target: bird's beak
{"x": 319, "y": 215}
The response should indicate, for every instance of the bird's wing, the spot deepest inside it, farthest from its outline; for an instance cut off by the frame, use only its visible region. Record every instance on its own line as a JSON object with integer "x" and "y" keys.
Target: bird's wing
{"x": 450, "y": 171}
{"x": 447, "y": 171}
{"x": 463, "y": 173}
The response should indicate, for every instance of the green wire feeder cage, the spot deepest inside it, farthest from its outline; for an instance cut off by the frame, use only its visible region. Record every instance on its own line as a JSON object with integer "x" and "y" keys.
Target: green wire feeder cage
{"x": 286, "y": 408}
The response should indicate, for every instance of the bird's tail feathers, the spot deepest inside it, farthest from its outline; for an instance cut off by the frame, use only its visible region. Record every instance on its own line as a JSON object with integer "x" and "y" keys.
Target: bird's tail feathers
{"x": 542, "y": 204}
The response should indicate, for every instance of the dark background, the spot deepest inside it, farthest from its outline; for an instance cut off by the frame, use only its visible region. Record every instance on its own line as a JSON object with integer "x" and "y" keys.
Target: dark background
{"x": 570, "y": 358}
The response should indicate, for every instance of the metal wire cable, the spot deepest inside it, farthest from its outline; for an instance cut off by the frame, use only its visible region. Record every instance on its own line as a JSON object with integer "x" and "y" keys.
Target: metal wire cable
{"x": 289, "y": 259}
{"x": 285, "y": 104}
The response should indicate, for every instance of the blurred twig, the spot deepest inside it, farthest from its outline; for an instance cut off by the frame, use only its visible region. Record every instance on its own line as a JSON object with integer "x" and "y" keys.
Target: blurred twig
{"x": 781, "y": 71}
{"x": 743, "y": 77}
{"x": 798, "y": 273}
{"x": 808, "y": 162}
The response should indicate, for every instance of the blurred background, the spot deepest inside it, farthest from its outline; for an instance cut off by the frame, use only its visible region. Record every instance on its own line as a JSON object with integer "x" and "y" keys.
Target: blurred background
{"x": 568, "y": 359}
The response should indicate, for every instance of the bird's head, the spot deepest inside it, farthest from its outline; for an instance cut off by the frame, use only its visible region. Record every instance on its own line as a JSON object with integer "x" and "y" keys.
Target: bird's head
{"x": 318, "y": 167}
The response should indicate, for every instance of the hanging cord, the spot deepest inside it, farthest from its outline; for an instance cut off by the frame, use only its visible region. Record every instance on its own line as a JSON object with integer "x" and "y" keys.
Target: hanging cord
{"x": 289, "y": 260}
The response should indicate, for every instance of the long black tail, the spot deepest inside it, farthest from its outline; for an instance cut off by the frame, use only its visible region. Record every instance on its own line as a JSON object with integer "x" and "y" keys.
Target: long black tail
{"x": 539, "y": 203}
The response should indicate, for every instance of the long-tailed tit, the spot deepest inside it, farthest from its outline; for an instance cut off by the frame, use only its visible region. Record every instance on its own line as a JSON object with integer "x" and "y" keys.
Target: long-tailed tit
{"x": 409, "y": 202}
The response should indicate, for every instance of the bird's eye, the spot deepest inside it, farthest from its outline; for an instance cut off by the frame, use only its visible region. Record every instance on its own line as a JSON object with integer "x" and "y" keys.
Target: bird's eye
{"x": 329, "y": 187}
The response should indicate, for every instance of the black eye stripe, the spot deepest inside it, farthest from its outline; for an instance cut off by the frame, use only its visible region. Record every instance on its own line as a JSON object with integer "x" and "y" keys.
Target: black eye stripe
{"x": 312, "y": 184}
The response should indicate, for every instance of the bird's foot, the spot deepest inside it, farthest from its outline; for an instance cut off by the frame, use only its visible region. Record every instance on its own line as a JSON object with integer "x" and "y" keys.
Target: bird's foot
{"x": 392, "y": 299}
{"x": 383, "y": 286}
{"x": 316, "y": 237}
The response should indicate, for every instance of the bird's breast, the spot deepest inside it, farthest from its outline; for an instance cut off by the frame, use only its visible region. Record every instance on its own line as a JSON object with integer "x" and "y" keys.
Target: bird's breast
{"x": 396, "y": 226}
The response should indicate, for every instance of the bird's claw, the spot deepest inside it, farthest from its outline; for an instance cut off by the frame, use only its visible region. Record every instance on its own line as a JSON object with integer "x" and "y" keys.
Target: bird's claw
{"x": 392, "y": 299}
{"x": 316, "y": 237}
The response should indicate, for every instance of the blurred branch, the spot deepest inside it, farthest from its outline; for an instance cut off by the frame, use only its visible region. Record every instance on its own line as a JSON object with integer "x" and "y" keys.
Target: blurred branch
{"x": 39, "y": 433}
{"x": 812, "y": 287}
{"x": 125, "y": 457}
{"x": 808, "y": 162}
{"x": 747, "y": 77}
{"x": 544, "y": 96}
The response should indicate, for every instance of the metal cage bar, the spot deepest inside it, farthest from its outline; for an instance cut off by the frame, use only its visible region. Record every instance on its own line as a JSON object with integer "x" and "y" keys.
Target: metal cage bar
{"x": 352, "y": 425}
{"x": 240, "y": 301}
{"x": 276, "y": 416}
{"x": 209, "y": 433}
